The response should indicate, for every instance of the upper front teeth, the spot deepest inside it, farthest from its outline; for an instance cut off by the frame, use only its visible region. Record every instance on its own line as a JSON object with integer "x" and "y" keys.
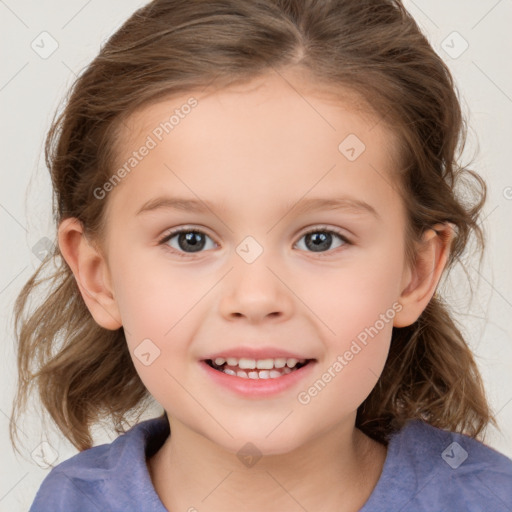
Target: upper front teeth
{"x": 260, "y": 364}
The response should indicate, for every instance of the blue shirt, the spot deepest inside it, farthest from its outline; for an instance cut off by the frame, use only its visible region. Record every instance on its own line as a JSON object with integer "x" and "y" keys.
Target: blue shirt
{"x": 426, "y": 470}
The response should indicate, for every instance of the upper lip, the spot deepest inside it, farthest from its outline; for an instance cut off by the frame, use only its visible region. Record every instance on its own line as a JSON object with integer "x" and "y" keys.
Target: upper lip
{"x": 256, "y": 353}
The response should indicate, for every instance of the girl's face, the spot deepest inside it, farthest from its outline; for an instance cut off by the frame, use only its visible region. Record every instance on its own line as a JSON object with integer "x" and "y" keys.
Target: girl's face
{"x": 292, "y": 248}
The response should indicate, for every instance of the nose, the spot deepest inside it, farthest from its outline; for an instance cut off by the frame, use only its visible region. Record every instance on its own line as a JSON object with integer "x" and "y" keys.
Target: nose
{"x": 255, "y": 292}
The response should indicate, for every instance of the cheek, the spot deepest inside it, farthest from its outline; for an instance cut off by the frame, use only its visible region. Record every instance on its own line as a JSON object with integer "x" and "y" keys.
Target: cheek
{"x": 158, "y": 309}
{"x": 358, "y": 312}
{"x": 153, "y": 295}
{"x": 356, "y": 348}
{"x": 345, "y": 380}
{"x": 354, "y": 296}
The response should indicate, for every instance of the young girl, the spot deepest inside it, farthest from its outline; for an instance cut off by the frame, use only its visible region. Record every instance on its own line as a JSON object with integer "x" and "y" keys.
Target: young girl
{"x": 256, "y": 201}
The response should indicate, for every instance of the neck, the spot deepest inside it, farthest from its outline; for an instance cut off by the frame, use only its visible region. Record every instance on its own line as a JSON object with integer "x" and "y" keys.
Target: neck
{"x": 336, "y": 471}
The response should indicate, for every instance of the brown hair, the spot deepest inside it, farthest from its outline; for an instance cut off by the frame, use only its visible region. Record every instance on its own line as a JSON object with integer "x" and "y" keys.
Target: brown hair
{"x": 84, "y": 373}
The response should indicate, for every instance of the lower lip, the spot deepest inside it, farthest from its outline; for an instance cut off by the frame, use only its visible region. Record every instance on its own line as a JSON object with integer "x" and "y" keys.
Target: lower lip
{"x": 258, "y": 388}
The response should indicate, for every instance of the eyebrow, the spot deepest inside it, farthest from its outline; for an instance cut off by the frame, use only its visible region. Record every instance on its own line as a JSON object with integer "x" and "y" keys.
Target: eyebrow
{"x": 349, "y": 204}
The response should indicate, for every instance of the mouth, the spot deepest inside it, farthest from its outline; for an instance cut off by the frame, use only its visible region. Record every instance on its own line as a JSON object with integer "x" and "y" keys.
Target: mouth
{"x": 246, "y": 368}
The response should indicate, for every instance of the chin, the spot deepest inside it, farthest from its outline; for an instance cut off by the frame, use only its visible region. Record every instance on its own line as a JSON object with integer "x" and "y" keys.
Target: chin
{"x": 253, "y": 442}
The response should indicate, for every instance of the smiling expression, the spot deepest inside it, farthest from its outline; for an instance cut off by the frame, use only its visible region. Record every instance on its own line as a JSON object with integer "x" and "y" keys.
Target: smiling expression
{"x": 247, "y": 250}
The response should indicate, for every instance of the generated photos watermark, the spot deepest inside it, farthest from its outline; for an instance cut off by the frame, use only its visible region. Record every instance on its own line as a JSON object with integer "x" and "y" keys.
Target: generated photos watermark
{"x": 151, "y": 142}
{"x": 342, "y": 360}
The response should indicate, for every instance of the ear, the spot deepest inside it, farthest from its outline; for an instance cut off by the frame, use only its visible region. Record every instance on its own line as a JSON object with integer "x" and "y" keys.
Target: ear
{"x": 91, "y": 273}
{"x": 420, "y": 281}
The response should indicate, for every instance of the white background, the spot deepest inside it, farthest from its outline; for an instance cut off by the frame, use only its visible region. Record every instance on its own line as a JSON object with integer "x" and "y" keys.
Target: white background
{"x": 31, "y": 88}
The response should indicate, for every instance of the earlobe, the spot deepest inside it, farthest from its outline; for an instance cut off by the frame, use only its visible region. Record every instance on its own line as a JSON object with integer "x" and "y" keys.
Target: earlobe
{"x": 91, "y": 273}
{"x": 423, "y": 278}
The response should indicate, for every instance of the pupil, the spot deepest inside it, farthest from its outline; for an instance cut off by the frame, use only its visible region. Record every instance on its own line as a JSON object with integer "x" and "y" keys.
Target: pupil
{"x": 319, "y": 241}
{"x": 191, "y": 240}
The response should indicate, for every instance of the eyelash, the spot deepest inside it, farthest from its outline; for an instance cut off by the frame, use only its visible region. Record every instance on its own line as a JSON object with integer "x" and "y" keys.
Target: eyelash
{"x": 316, "y": 229}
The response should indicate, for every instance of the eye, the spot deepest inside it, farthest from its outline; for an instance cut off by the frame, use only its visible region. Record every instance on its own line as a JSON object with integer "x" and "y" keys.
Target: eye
{"x": 187, "y": 240}
{"x": 321, "y": 240}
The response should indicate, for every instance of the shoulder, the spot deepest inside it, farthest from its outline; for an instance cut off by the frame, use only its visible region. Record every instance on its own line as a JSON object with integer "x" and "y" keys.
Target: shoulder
{"x": 107, "y": 477}
{"x": 431, "y": 469}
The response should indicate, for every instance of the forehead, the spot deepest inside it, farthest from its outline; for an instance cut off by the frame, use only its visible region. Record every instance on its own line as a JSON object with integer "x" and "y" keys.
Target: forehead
{"x": 281, "y": 99}
{"x": 271, "y": 136}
